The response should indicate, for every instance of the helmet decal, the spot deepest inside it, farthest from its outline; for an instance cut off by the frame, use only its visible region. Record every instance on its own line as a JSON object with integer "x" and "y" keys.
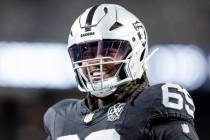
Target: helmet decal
{"x": 140, "y": 31}
{"x": 90, "y": 18}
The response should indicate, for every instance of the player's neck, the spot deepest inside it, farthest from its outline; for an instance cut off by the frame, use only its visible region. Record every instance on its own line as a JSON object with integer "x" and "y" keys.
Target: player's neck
{"x": 107, "y": 100}
{"x": 101, "y": 103}
{"x": 94, "y": 103}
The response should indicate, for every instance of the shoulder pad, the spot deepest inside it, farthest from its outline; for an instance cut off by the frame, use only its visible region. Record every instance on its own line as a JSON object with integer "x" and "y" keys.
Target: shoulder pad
{"x": 168, "y": 101}
{"x": 61, "y": 106}
{"x": 58, "y": 109}
{"x": 55, "y": 115}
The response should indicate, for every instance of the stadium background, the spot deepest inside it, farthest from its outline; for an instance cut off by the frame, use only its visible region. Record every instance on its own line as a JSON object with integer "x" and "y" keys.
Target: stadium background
{"x": 24, "y": 23}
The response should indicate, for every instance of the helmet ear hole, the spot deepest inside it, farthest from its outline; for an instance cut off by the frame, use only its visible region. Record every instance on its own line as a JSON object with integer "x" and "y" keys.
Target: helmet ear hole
{"x": 142, "y": 55}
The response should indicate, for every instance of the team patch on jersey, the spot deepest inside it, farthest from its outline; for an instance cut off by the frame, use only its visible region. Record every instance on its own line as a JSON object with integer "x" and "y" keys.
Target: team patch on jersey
{"x": 185, "y": 128}
{"x": 115, "y": 111}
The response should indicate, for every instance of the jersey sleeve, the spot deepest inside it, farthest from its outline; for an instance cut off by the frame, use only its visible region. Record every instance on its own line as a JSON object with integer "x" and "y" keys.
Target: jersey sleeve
{"x": 170, "y": 112}
{"x": 169, "y": 102}
{"x": 174, "y": 130}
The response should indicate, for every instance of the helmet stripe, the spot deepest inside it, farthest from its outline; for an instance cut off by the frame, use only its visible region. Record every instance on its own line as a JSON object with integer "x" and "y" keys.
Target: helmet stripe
{"x": 90, "y": 17}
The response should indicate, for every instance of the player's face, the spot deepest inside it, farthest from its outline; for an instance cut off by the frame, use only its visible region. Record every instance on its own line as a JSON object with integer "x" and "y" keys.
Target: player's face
{"x": 97, "y": 59}
{"x": 107, "y": 70}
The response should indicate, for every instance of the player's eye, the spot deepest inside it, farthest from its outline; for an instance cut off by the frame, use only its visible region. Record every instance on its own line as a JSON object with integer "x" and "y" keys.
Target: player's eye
{"x": 112, "y": 50}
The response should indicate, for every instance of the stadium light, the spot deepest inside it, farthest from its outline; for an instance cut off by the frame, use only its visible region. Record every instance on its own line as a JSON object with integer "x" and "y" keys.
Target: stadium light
{"x": 177, "y": 63}
{"x": 35, "y": 65}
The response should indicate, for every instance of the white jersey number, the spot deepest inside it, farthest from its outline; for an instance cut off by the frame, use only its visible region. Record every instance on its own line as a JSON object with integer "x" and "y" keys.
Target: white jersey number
{"x": 172, "y": 98}
{"x": 109, "y": 134}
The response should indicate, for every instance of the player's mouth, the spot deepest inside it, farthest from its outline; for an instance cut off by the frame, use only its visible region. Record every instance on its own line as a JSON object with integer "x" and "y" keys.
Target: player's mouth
{"x": 97, "y": 75}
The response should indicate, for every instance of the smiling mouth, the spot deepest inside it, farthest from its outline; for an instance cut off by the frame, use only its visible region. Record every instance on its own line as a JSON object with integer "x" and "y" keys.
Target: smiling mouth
{"x": 97, "y": 75}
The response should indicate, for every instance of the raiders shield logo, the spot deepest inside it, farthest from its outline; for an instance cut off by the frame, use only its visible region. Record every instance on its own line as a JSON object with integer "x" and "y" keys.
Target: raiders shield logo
{"x": 115, "y": 111}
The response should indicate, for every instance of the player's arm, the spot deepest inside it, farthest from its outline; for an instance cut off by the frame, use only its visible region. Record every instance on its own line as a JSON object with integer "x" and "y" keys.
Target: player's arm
{"x": 174, "y": 130}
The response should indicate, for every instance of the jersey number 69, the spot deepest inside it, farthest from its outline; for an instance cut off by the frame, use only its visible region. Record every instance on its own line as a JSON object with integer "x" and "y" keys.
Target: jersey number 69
{"x": 178, "y": 98}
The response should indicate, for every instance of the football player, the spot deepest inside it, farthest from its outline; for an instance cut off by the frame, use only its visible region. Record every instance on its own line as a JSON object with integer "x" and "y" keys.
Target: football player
{"x": 109, "y": 52}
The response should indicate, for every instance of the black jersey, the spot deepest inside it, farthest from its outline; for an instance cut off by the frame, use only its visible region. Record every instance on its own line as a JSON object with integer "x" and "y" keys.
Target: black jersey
{"x": 160, "y": 112}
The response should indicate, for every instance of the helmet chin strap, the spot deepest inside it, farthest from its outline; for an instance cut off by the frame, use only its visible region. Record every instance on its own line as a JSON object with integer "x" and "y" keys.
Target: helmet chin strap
{"x": 145, "y": 66}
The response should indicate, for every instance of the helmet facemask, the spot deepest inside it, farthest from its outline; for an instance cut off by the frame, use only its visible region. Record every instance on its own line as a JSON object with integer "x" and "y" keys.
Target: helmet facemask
{"x": 98, "y": 65}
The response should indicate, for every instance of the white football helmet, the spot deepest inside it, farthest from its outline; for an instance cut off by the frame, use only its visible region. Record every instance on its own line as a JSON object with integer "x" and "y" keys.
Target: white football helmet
{"x": 105, "y": 35}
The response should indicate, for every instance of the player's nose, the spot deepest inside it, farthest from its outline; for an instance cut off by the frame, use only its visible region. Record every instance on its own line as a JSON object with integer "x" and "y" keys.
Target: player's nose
{"x": 97, "y": 59}
{"x": 94, "y": 61}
